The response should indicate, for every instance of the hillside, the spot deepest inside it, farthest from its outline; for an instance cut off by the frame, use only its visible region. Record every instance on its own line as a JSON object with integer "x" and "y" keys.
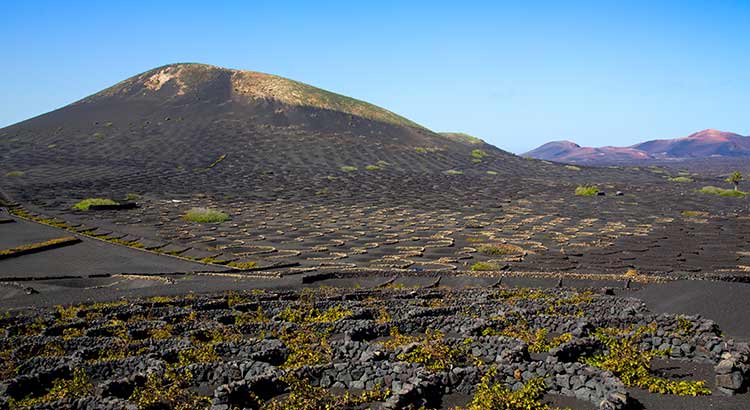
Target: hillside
{"x": 180, "y": 121}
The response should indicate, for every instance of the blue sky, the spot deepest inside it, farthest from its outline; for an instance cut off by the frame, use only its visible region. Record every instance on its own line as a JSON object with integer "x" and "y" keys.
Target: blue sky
{"x": 516, "y": 74}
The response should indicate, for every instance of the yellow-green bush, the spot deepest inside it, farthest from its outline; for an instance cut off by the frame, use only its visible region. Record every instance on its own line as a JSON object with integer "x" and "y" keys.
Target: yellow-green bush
{"x": 307, "y": 347}
{"x": 495, "y": 396}
{"x": 587, "y": 191}
{"x": 432, "y": 351}
{"x": 76, "y": 387}
{"x": 633, "y": 366}
{"x": 86, "y": 203}
{"x": 305, "y": 314}
{"x": 170, "y": 390}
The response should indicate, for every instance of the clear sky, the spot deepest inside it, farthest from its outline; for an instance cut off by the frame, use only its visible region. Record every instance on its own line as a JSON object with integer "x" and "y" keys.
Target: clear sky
{"x": 516, "y": 74}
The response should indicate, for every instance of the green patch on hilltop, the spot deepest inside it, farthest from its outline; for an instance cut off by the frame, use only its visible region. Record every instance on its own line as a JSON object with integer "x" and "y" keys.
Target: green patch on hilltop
{"x": 462, "y": 137}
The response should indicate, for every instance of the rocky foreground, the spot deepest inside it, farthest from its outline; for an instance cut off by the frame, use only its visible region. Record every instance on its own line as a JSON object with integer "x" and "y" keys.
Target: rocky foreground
{"x": 389, "y": 347}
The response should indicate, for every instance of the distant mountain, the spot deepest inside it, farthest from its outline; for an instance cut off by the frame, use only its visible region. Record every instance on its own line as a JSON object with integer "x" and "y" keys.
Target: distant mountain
{"x": 701, "y": 144}
{"x": 567, "y": 151}
{"x": 704, "y": 144}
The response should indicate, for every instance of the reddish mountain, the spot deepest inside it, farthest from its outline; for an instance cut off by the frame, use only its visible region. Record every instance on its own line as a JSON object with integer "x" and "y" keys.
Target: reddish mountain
{"x": 566, "y": 151}
{"x": 703, "y": 144}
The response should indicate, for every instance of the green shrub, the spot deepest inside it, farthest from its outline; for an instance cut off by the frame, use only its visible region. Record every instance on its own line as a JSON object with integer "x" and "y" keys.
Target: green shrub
{"x": 478, "y": 153}
{"x": 307, "y": 347}
{"x": 538, "y": 340}
{"x": 205, "y": 215}
{"x": 632, "y": 365}
{"x": 372, "y": 168}
{"x": 572, "y": 167}
{"x": 454, "y": 172}
{"x": 491, "y": 172}
{"x": 587, "y": 191}
{"x": 500, "y": 249}
{"x": 694, "y": 214}
{"x": 431, "y": 350}
{"x": 15, "y": 174}
{"x": 348, "y": 168}
{"x": 495, "y": 396}
{"x": 305, "y": 313}
{"x": 77, "y": 387}
{"x": 484, "y": 266}
{"x": 681, "y": 179}
{"x": 713, "y": 190}
{"x": 132, "y": 197}
{"x": 86, "y": 203}
{"x": 170, "y": 390}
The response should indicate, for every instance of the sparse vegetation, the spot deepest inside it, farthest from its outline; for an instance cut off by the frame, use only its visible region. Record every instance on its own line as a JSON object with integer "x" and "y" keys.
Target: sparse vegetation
{"x": 454, "y": 172}
{"x": 221, "y": 158}
{"x": 349, "y": 168}
{"x": 424, "y": 150}
{"x": 372, "y": 167}
{"x": 681, "y": 179}
{"x": 205, "y": 215}
{"x": 307, "y": 347}
{"x": 484, "y": 266}
{"x": 431, "y": 351}
{"x": 169, "y": 390}
{"x": 86, "y": 203}
{"x": 243, "y": 265}
{"x": 305, "y": 313}
{"x": 478, "y": 154}
{"x": 76, "y": 387}
{"x": 303, "y": 395}
{"x": 15, "y": 174}
{"x": 587, "y": 191}
{"x": 500, "y": 249}
{"x": 721, "y": 191}
{"x": 24, "y": 249}
{"x": 496, "y": 396}
{"x": 572, "y": 168}
{"x": 632, "y": 365}
{"x": 694, "y": 214}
